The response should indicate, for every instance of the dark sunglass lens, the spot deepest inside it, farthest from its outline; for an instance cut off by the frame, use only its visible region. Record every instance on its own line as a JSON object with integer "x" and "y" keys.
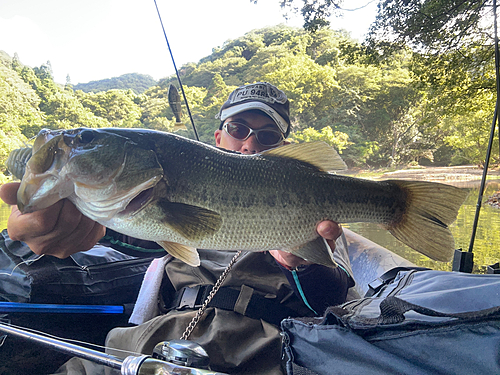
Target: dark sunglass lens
{"x": 269, "y": 137}
{"x": 237, "y": 131}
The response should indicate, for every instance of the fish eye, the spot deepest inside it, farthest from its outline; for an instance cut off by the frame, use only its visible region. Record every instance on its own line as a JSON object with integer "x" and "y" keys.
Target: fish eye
{"x": 86, "y": 136}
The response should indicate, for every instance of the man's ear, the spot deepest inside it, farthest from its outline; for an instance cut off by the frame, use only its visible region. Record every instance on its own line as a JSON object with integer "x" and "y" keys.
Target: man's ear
{"x": 218, "y": 135}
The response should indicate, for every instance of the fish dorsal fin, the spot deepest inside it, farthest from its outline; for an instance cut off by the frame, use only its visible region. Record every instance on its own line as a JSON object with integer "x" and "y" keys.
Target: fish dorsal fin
{"x": 187, "y": 254}
{"x": 319, "y": 154}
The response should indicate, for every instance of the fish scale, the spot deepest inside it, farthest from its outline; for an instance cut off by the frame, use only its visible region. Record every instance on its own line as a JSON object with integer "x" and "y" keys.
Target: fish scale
{"x": 186, "y": 195}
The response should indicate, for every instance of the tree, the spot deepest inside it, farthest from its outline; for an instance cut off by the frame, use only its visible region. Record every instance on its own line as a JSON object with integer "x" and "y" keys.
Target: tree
{"x": 16, "y": 63}
{"x": 378, "y": 108}
{"x": 68, "y": 84}
{"x": 453, "y": 61}
{"x": 44, "y": 71}
{"x": 434, "y": 25}
{"x": 19, "y": 106}
{"x": 314, "y": 12}
{"x": 115, "y": 106}
{"x": 338, "y": 140}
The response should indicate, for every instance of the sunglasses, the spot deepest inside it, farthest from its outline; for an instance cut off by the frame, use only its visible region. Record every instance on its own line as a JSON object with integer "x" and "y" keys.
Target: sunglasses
{"x": 241, "y": 132}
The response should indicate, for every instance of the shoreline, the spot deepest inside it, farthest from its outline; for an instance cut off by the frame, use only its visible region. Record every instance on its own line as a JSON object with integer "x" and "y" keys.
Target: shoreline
{"x": 464, "y": 173}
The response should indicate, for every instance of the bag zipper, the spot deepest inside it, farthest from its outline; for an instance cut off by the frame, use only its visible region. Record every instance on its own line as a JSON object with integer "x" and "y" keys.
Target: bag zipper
{"x": 116, "y": 264}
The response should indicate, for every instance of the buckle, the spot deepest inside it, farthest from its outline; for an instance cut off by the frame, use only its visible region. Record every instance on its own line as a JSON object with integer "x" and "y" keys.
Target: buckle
{"x": 374, "y": 287}
{"x": 189, "y": 297}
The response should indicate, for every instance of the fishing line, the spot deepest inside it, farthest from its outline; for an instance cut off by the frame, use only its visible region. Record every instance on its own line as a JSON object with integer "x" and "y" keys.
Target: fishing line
{"x": 177, "y": 73}
{"x": 72, "y": 341}
{"x": 28, "y": 262}
{"x": 492, "y": 131}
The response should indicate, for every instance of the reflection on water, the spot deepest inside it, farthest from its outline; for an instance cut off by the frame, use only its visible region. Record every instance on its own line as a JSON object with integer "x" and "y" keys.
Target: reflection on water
{"x": 485, "y": 246}
{"x": 487, "y": 236}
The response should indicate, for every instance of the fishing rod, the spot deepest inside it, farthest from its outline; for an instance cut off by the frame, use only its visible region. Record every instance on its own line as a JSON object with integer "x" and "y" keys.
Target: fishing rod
{"x": 463, "y": 261}
{"x": 177, "y": 73}
{"x": 168, "y": 357}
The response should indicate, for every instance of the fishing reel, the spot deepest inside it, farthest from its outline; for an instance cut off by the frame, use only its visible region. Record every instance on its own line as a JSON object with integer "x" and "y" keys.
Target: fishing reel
{"x": 182, "y": 352}
{"x": 186, "y": 357}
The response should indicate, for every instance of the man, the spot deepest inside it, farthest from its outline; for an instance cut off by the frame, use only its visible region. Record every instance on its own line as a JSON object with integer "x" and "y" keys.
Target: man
{"x": 241, "y": 336}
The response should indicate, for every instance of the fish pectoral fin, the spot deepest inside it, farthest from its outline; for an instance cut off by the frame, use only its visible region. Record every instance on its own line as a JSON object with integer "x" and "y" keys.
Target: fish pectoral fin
{"x": 187, "y": 254}
{"x": 192, "y": 222}
{"x": 316, "y": 251}
{"x": 319, "y": 154}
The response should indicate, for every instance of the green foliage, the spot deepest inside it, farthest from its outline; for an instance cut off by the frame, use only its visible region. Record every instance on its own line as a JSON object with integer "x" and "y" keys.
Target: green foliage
{"x": 454, "y": 66}
{"x": 468, "y": 135}
{"x": 337, "y": 140}
{"x": 115, "y": 106}
{"x": 314, "y": 12}
{"x": 380, "y": 105}
{"x": 18, "y": 112}
{"x": 18, "y": 105}
{"x": 439, "y": 25}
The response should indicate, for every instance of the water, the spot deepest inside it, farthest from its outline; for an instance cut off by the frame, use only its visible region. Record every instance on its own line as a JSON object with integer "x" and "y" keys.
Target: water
{"x": 486, "y": 243}
{"x": 4, "y": 215}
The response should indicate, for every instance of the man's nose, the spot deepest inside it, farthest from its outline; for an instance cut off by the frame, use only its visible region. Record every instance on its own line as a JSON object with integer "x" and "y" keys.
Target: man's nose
{"x": 251, "y": 145}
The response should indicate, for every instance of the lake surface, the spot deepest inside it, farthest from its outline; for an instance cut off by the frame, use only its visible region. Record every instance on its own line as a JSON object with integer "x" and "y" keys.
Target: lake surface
{"x": 486, "y": 245}
{"x": 487, "y": 241}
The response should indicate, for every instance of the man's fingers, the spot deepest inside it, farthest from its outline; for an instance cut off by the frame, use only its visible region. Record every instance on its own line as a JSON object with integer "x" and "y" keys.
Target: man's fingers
{"x": 329, "y": 230}
{"x": 59, "y": 230}
{"x": 39, "y": 223}
{"x": 83, "y": 238}
{"x": 8, "y": 192}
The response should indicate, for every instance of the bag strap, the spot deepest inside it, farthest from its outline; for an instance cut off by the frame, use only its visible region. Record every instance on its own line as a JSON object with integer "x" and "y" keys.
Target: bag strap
{"x": 392, "y": 310}
{"x": 387, "y": 277}
{"x": 228, "y": 298}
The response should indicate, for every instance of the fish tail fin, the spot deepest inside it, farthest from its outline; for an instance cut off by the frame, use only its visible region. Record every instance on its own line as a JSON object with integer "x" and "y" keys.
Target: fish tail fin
{"x": 430, "y": 208}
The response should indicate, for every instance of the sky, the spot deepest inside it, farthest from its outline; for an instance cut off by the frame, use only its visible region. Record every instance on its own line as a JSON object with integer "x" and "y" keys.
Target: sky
{"x": 96, "y": 39}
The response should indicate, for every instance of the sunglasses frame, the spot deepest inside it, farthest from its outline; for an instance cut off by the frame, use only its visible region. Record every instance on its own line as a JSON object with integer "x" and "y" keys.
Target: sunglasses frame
{"x": 253, "y": 131}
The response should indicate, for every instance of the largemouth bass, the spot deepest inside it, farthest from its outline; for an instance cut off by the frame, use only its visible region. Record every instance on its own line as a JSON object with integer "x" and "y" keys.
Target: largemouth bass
{"x": 186, "y": 195}
{"x": 174, "y": 101}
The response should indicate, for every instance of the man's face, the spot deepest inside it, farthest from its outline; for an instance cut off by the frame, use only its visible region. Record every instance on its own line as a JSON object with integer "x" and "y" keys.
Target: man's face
{"x": 254, "y": 120}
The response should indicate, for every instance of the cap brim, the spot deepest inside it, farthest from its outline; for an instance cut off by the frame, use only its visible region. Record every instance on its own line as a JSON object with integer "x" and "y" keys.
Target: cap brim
{"x": 238, "y": 108}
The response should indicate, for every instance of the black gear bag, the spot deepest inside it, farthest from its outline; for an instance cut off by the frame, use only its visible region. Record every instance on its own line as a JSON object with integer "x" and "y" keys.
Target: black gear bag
{"x": 101, "y": 277}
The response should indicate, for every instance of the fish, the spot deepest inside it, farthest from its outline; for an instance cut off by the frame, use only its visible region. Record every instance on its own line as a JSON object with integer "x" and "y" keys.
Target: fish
{"x": 185, "y": 194}
{"x": 174, "y": 101}
{"x": 16, "y": 162}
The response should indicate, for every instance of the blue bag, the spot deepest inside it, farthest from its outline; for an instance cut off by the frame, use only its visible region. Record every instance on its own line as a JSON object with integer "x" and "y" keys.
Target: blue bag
{"x": 423, "y": 322}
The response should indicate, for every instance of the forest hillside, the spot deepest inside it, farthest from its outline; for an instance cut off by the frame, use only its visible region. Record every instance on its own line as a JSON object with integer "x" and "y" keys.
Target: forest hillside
{"x": 378, "y": 109}
{"x": 138, "y": 83}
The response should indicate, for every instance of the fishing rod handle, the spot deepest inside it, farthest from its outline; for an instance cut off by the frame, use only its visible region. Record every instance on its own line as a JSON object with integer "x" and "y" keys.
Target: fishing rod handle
{"x": 146, "y": 365}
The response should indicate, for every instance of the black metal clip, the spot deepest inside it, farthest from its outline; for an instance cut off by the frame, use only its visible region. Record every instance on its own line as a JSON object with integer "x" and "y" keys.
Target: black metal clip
{"x": 189, "y": 297}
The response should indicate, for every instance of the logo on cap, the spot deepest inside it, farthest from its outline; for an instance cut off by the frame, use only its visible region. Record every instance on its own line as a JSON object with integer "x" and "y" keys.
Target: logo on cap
{"x": 264, "y": 92}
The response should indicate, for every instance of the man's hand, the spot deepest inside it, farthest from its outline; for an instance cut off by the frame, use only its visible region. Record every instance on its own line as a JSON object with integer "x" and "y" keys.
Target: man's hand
{"x": 59, "y": 230}
{"x": 329, "y": 230}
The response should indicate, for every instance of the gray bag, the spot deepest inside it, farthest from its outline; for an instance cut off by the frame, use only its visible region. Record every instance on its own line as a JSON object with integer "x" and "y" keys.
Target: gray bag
{"x": 425, "y": 322}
